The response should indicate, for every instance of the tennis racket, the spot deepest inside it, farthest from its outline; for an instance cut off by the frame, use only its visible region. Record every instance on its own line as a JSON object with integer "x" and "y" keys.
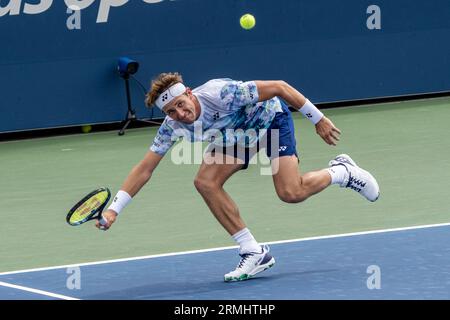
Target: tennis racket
{"x": 89, "y": 208}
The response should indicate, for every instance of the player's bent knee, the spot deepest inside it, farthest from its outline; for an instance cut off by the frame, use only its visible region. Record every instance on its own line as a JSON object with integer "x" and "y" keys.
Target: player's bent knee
{"x": 290, "y": 196}
{"x": 204, "y": 185}
{"x": 198, "y": 183}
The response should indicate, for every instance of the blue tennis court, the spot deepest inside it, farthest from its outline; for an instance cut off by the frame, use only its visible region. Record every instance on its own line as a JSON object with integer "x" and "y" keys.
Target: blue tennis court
{"x": 413, "y": 264}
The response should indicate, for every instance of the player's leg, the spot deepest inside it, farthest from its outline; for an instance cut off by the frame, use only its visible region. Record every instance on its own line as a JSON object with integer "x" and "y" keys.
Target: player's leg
{"x": 211, "y": 177}
{"x": 291, "y": 186}
{"x": 215, "y": 170}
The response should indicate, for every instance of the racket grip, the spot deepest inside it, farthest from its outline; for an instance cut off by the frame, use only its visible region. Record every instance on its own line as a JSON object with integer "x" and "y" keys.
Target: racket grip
{"x": 103, "y": 221}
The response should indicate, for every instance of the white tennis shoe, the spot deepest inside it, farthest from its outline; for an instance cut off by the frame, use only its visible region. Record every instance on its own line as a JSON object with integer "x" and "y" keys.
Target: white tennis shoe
{"x": 356, "y": 178}
{"x": 251, "y": 263}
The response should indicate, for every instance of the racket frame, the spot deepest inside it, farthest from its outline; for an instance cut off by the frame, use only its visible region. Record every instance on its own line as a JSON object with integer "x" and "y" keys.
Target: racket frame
{"x": 92, "y": 215}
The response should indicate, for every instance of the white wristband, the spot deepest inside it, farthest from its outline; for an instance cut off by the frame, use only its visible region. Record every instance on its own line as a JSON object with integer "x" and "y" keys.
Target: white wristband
{"x": 311, "y": 112}
{"x": 121, "y": 200}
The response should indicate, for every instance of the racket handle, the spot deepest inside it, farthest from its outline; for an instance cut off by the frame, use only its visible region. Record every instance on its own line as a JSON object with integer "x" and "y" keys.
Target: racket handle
{"x": 103, "y": 221}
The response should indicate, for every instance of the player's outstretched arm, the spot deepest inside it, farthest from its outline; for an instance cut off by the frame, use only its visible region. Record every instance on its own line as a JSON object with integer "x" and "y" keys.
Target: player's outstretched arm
{"x": 278, "y": 88}
{"x": 137, "y": 178}
{"x": 324, "y": 126}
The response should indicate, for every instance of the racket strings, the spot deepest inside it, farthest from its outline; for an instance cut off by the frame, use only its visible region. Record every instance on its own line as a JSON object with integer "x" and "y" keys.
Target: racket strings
{"x": 89, "y": 206}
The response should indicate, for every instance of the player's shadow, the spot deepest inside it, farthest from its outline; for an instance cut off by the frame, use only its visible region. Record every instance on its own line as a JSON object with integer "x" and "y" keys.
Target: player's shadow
{"x": 183, "y": 289}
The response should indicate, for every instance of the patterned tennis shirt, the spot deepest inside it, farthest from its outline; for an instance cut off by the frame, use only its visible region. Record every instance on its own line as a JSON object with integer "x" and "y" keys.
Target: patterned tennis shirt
{"x": 226, "y": 105}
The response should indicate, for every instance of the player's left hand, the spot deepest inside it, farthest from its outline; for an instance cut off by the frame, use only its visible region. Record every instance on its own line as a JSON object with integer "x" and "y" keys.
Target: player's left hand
{"x": 328, "y": 131}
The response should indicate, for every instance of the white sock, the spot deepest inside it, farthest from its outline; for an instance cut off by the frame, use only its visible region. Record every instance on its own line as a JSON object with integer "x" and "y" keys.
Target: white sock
{"x": 337, "y": 174}
{"x": 246, "y": 241}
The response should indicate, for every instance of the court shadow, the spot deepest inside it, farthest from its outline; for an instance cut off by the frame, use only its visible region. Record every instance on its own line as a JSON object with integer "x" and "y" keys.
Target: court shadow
{"x": 281, "y": 275}
{"x": 205, "y": 290}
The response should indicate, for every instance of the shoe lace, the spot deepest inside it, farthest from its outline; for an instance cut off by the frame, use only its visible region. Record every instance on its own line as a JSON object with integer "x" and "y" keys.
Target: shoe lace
{"x": 355, "y": 184}
{"x": 343, "y": 160}
{"x": 244, "y": 257}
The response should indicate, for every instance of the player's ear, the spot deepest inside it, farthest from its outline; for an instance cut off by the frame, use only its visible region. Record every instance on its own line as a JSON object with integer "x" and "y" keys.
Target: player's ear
{"x": 188, "y": 91}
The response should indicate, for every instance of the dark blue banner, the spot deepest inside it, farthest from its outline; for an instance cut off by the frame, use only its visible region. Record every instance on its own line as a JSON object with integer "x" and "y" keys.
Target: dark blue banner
{"x": 58, "y": 58}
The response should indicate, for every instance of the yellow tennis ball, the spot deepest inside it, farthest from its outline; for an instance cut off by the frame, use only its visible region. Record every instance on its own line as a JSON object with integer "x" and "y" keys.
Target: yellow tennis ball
{"x": 86, "y": 128}
{"x": 247, "y": 21}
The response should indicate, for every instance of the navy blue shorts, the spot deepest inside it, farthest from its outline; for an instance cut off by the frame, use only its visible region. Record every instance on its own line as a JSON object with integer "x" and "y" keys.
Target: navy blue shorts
{"x": 282, "y": 128}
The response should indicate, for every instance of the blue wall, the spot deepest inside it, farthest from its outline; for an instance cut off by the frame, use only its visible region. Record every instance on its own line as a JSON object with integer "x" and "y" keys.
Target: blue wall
{"x": 51, "y": 76}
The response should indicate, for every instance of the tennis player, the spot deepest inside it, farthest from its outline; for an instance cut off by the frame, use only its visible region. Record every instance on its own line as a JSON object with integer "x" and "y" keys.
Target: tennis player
{"x": 223, "y": 105}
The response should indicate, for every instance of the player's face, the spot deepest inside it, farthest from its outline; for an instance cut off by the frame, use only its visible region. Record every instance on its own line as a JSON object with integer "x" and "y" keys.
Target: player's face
{"x": 182, "y": 109}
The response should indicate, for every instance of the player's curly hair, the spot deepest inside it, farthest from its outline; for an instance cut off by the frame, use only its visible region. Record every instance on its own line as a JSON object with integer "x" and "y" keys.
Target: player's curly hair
{"x": 160, "y": 84}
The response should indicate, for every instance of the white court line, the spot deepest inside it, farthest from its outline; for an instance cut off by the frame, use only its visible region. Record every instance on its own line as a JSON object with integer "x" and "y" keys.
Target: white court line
{"x": 41, "y": 292}
{"x": 225, "y": 248}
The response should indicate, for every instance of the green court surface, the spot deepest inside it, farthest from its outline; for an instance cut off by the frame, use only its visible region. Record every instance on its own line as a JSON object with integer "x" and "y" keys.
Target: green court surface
{"x": 405, "y": 145}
